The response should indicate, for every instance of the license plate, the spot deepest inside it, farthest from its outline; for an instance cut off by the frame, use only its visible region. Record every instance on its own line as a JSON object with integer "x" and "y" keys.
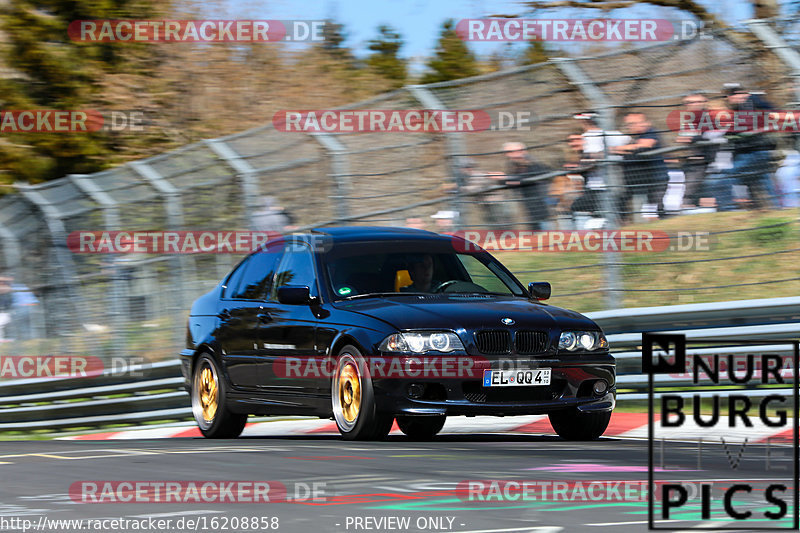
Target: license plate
{"x": 516, "y": 378}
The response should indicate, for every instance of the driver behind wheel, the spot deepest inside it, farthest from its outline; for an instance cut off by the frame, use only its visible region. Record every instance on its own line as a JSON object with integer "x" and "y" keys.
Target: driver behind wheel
{"x": 420, "y": 270}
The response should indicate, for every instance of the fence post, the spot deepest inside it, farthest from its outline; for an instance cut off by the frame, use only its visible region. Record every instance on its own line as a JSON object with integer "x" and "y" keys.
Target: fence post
{"x": 788, "y": 55}
{"x": 111, "y": 221}
{"x": 66, "y": 314}
{"x": 339, "y": 171}
{"x": 455, "y": 150}
{"x": 244, "y": 171}
{"x": 605, "y": 110}
{"x": 183, "y": 266}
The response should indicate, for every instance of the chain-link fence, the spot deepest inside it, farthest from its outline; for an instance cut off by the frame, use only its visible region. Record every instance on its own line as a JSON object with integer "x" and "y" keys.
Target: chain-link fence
{"x": 65, "y": 302}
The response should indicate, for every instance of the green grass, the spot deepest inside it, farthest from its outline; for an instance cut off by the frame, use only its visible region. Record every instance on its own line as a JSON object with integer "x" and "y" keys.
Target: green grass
{"x": 683, "y": 278}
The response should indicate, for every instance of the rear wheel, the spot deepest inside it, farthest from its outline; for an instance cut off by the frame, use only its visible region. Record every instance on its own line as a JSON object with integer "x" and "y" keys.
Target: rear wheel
{"x": 571, "y": 424}
{"x": 420, "y": 427}
{"x": 208, "y": 402}
{"x": 353, "y": 399}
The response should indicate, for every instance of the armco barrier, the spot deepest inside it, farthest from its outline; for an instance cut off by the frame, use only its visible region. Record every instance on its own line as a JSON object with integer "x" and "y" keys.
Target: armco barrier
{"x": 694, "y": 316}
{"x": 118, "y": 399}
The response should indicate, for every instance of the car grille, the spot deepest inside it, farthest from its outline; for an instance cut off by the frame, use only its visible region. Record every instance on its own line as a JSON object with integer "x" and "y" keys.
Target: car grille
{"x": 498, "y": 341}
{"x": 531, "y": 342}
{"x": 493, "y": 341}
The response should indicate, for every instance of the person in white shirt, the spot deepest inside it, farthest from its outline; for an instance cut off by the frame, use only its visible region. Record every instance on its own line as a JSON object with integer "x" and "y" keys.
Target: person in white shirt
{"x": 596, "y": 142}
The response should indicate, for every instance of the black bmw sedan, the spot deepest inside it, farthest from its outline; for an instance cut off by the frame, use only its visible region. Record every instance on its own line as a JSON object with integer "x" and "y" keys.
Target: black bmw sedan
{"x": 366, "y": 325}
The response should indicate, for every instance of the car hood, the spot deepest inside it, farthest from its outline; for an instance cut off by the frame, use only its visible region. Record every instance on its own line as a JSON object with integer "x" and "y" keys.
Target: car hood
{"x": 465, "y": 312}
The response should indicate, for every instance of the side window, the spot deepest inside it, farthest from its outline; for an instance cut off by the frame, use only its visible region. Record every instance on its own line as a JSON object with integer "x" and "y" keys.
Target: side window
{"x": 296, "y": 268}
{"x": 234, "y": 279}
{"x": 256, "y": 282}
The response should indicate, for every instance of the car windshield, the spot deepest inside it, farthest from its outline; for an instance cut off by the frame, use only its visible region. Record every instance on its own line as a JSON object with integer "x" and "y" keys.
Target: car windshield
{"x": 402, "y": 268}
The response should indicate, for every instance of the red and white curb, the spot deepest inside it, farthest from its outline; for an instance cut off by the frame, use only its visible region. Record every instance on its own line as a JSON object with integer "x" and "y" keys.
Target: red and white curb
{"x": 622, "y": 425}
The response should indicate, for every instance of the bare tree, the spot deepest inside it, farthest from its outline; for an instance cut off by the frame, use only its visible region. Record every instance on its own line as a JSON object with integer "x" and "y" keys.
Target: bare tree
{"x": 762, "y": 8}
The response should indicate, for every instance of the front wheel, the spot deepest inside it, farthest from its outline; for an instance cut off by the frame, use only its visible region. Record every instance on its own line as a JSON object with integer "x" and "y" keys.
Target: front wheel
{"x": 353, "y": 399}
{"x": 208, "y": 402}
{"x": 571, "y": 424}
{"x": 420, "y": 427}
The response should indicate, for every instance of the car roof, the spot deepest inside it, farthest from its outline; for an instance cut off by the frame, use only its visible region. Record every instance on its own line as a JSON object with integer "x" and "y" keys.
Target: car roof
{"x": 377, "y": 233}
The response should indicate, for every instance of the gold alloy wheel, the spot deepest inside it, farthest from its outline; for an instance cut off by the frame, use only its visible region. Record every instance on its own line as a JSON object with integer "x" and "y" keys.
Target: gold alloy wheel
{"x": 209, "y": 394}
{"x": 349, "y": 392}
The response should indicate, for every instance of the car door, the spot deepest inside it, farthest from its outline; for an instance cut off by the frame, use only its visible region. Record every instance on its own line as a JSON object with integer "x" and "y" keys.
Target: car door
{"x": 289, "y": 337}
{"x": 243, "y": 310}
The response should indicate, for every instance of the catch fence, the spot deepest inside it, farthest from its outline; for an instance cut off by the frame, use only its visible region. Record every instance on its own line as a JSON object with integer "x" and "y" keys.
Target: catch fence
{"x": 105, "y": 304}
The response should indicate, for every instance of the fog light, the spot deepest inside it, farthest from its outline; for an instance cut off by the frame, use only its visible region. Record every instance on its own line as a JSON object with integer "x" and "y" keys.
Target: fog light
{"x": 600, "y": 387}
{"x": 416, "y": 390}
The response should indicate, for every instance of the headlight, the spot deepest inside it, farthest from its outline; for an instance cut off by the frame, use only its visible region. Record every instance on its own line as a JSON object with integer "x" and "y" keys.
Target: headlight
{"x": 568, "y": 341}
{"x": 582, "y": 340}
{"x": 436, "y": 341}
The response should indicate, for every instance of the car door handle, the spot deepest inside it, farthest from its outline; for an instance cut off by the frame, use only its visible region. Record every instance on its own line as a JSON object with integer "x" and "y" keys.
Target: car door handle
{"x": 263, "y": 317}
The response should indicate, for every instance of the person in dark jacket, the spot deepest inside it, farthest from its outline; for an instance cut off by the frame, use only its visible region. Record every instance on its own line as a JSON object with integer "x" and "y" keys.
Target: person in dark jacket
{"x": 752, "y": 150}
{"x": 644, "y": 173}
{"x": 700, "y": 153}
{"x": 533, "y": 193}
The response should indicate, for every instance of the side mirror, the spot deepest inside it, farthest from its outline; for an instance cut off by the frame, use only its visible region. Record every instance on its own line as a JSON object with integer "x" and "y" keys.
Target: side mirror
{"x": 539, "y": 290}
{"x": 294, "y": 294}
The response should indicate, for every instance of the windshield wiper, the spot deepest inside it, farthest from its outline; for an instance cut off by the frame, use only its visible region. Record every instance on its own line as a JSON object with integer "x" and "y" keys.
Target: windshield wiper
{"x": 382, "y": 294}
{"x": 480, "y": 293}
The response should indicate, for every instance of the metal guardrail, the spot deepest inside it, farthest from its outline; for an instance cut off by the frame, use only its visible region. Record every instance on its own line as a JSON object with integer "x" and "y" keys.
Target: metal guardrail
{"x": 694, "y": 316}
{"x": 116, "y": 399}
{"x": 109, "y": 399}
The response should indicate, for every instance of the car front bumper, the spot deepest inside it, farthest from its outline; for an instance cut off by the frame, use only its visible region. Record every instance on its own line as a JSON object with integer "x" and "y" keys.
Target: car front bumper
{"x": 571, "y": 387}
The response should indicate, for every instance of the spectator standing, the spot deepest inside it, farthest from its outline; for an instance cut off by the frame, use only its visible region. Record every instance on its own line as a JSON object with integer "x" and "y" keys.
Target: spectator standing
{"x": 752, "y": 150}
{"x": 494, "y": 204}
{"x": 788, "y": 178}
{"x": 700, "y": 152}
{"x": 415, "y": 223}
{"x": 532, "y": 193}
{"x": 596, "y": 143}
{"x": 643, "y": 173}
{"x": 567, "y": 188}
{"x": 272, "y": 218}
{"x": 17, "y": 305}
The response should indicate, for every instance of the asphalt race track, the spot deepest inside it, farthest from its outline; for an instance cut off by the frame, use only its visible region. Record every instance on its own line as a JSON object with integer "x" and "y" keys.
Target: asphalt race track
{"x": 364, "y": 481}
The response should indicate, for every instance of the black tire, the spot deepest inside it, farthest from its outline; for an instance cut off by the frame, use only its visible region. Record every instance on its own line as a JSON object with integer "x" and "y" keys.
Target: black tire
{"x": 221, "y": 423}
{"x": 421, "y": 427}
{"x": 571, "y": 424}
{"x": 353, "y": 399}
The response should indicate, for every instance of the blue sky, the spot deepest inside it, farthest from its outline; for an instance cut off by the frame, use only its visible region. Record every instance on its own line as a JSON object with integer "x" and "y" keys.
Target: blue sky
{"x": 419, "y": 21}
